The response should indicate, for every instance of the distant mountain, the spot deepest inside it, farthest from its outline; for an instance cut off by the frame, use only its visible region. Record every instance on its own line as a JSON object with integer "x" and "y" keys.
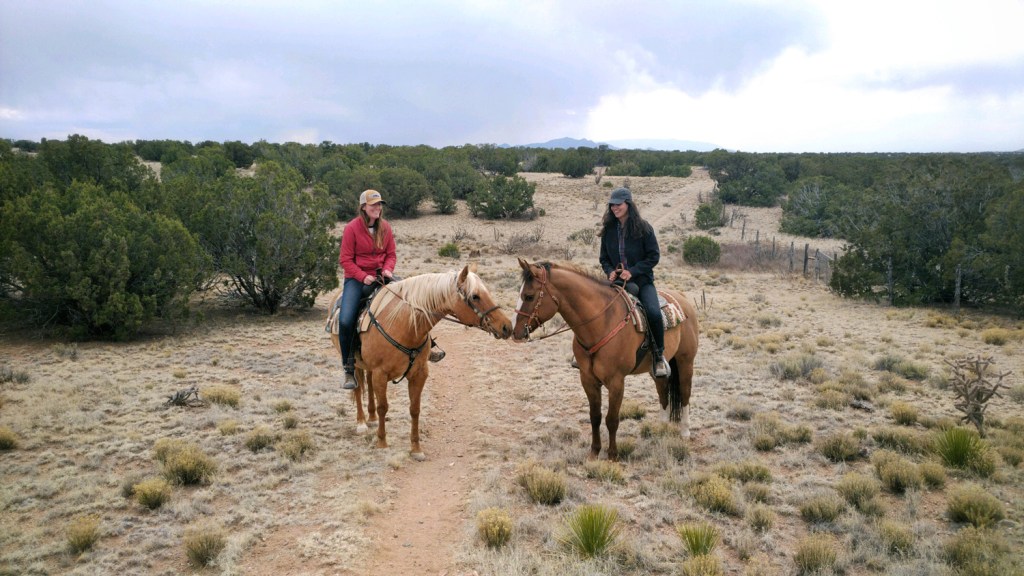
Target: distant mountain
{"x": 639, "y": 144}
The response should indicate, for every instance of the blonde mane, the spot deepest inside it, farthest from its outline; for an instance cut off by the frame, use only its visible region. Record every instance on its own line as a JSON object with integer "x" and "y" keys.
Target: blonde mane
{"x": 430, "y": 295}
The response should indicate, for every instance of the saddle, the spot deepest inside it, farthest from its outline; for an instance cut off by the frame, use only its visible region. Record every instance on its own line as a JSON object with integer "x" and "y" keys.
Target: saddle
{"x": 363, "y": 319}
{"x": 671, "y": 312}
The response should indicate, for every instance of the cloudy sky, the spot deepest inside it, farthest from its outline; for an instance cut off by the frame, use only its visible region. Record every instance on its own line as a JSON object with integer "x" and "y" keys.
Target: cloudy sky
{"x": 752, "y": 75}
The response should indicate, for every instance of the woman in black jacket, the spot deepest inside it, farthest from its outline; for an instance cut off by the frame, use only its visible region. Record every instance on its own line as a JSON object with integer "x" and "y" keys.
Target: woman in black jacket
{"x": 629, "y": 253}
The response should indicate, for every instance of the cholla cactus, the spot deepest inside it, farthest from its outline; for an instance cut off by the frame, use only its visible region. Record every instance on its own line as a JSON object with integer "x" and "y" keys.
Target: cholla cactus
{"x": 974, "y": 387}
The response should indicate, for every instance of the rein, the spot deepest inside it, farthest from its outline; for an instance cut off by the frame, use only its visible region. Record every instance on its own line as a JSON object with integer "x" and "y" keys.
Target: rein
{"x": 544, "y": 291}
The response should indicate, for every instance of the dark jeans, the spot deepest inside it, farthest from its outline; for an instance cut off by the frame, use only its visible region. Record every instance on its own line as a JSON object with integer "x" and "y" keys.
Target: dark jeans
{"x": 649, "y": 298}
{"x": 352, "y": 295}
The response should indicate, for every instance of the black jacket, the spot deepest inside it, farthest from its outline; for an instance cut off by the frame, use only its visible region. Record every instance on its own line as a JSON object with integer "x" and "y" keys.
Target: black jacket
{"x": 642, "y": 254}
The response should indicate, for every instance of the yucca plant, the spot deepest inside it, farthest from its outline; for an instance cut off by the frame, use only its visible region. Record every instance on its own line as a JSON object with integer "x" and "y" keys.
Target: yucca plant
{"x": 699, "y": 538}
{"x": 591, "y": 530}
{"x": 964, "y": 449}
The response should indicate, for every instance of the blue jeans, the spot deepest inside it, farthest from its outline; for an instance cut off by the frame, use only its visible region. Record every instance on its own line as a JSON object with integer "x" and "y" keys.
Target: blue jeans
{"x": 649, "y": 298}
{"x": 351, "y": 294}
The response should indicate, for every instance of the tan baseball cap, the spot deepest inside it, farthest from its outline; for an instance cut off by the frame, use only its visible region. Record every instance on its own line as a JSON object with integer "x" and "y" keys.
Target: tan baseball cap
{"x": 370, "y": 197}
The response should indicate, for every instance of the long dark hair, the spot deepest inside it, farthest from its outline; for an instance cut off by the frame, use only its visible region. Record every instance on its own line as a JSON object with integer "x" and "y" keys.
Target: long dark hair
{"x": 636, "y": 226}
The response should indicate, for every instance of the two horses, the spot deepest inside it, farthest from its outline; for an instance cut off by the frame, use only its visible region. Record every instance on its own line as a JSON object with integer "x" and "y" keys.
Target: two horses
{"x": 605, "y": 344}
{"x": 397, "y": 341}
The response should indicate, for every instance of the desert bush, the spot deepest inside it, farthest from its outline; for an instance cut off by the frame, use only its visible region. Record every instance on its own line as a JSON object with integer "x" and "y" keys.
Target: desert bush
{"x": 933, "y": 474}
{"x": 632, "y": 410}
{"x": 1010, "y": 454}
{"x": 964, "y": 449}
{"x": 832, "y": 399}
{"x": 281, "y": 406}
{"x": 996, "y": 336}
{"x": 203, "y": 544}
{"x": 591, "y": 530}
{"x": 742, "y": 411}
{"x": 543, "y": 486}
{"x": 223, "y": 395}
{"x": 977, "y": 552}
{"x": 839, "y": 447}
{"x": 795, "y": 367}
{"x": 699, "y": 538}
{"x": 896, "y": 472}
{"x": 859, "y": 490}
{"x": 815, "y": 554}
{"x": 289, "y": 421}
{"x": 757, "y": 492}
{"x": 900, "y": 439}
{"x": 745, "y": 472}
{"x": 502, "y": 197}
{"x": 970, "y": 503}
{"x": 898, "y": 538}
{"x": 152, "y": 492}
{"x": 8, "y": 439}
{"x": 259, "y": 438}
{"x": 585, "y": 236}
{"x": 903, "y": 413}
{"x": 905, "y": 368}
{"x": 709, "y": 215}
{"x": 449, "y": 250}
{"x": 227, "y": 427}
{"x": 82, "y": 533}
{"x": 494, "y": 526}
{"x": 188, "y": 466}
{"x": 296, "y": 445}
{"x": 702, "y": 565}
{"x": 760, "y": 517}
{"x": 701, "y": 251}
{"x": 8, "y": 374}
{"x": 714, "y": 494}
{"x": 822, "y": 508}
{"x": 974, "y": 384}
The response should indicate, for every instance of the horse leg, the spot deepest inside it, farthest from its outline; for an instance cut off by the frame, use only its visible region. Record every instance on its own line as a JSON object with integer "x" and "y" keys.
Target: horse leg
{"x": 380, "y": 391}
{"x": 416, "y": 382}
{"x": 615, "y": 391}
{"x": 592, "y": 388}
{"x": 684, "y": 373}
{"x": 357, "y": 395}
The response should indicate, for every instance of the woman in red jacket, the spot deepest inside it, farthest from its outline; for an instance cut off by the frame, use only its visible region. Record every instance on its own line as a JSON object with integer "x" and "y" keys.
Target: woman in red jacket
{"x": 367, "y": 256}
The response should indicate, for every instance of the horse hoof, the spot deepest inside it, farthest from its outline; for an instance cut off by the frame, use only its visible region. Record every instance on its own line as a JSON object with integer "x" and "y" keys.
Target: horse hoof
{"x": 418, "y": 456}
{"x": 361, "y": 428}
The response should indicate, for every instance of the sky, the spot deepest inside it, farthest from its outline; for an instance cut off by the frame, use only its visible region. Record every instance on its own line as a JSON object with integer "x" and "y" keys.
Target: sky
{"x": 750, "y": 75}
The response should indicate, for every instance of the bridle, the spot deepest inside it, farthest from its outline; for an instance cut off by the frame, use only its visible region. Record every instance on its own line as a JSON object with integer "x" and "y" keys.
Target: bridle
{"x": 484, "y": 316}
{"x": 544, "y": 291}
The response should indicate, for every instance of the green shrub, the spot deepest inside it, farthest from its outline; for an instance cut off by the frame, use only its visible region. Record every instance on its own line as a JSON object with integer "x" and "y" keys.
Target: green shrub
{"x": 815, "y": 554}
{"x": 698, "y": 538}
{"x": 203, "y": 544}
{"x": 152, "y": 492}
{"x": 502, "y": 197}
{"x": 964, "y": 449}
{"x": 449, "y": 250}
{"x": 970, "y": 503}
{"x": 591, "y": 530}
{"x": 701, "y": 251}
{"x": 543, "y": 486}
{"x": 82, "y": 533}
{"x": 822, "y": 508}
{"x": 494, "y": 525}
{"x": 709, "y": 215}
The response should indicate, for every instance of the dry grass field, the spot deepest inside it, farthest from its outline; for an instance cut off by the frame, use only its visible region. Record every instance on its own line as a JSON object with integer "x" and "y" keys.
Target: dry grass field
{"x": 812, "y": 419}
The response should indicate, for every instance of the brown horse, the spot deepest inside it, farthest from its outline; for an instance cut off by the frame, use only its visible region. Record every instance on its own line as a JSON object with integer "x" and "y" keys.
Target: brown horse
{"x": 397, "y": 343}
{"x": 605, "y": 345}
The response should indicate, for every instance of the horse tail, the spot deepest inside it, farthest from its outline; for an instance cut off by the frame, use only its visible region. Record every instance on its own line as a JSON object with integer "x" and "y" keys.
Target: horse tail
{"x": 675, "y": 392}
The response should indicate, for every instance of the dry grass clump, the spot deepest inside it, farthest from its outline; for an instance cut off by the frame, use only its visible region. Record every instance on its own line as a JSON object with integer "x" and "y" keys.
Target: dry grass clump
{"x": 897, "y": 365}
{"x": 831, "y": 399}
{"x": 632, "y": 410}
{"x": 740, "y": 410}
{"x": 896, "y": 472}
{"x": 8, "y": 374}
{"x": 768, "y": 431}
{"x": 898, "y": 538}
{"x": 227, "y": 427}
{"x": 605, "y": 470}
{"x": 296, "y": 445}
{"x": 900, "y": 439}
{"x": 82, "y": 533}
{"x": 658, "y": 429}
{"x": 590, "y": 530}
{"x": 183, "y": 462}
{"x": 152, "y": 492}
{"x": 745, "y": 472}
{"x": 859, "y": 490}
{"x": 854, "y": 384}
{"x": 761, "y": 518}
{"x": 996, "y": 336}
{"x": 903, "y": 413}
{"x": 222, "y": 395}
{"x": 839, "y": 447}
{"x": 757, "y": 492}
{"x": 494, "y": 526}
{"x": 815, "y": 554}
{"x": 542, "y": 485}
{"x": 822, "y": 508}
{"x": 281, "y": 406}
{"x": 796, "y": 367}
{"x": 977, "y": 552}
{"x": 933, "y": 474}
{"x": 8, "y": 439}
{"x": 260, "y": 438}
{"x": 699, "y": 538}
{"x": 970, "y": 503}
{"x": 703, "y": 565}
{"x": 203, "y": 544}
{"x": 714, "y": 494}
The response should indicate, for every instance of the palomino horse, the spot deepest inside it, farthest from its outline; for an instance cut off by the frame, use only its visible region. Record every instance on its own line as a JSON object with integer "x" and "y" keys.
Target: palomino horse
{"x": 397, "y": 343}
{"x": 605, "y": 345}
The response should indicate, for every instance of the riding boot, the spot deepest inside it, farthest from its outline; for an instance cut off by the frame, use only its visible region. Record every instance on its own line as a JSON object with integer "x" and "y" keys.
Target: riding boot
{"x": 661, "y": 367}
{"x": 436, "y": 354}
{"x": 349, "y": 382}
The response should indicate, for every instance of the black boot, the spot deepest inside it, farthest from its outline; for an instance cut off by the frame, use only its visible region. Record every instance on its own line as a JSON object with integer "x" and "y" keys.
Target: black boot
{"x": 436, "y": 354}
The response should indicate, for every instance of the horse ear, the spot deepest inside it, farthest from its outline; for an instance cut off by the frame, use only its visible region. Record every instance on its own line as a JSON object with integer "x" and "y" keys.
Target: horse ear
{"x": 472, "y": 267}
{"x": 524, "y": 264}
{"x": 463, "y": 275}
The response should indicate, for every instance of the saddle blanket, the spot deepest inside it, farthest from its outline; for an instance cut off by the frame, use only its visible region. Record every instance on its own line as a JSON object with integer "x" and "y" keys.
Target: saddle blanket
{"x": 671, "y": 313}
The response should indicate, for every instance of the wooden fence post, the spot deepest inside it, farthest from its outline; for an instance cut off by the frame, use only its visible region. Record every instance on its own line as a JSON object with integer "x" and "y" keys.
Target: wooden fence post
{"x": 807, "y": 248}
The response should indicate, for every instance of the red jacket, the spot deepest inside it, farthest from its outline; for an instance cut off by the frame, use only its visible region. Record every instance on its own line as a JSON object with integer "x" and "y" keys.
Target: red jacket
{"x": 359, "y": 257}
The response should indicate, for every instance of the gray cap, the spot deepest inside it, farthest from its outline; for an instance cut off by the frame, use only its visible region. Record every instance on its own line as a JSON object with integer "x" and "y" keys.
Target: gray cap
{"x": 620, "y": 195}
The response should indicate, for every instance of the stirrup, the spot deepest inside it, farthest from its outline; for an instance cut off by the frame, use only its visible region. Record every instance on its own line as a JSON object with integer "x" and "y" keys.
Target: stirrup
{"x": 350, "y": 382}
{"x": 436, "y": 355}
{"x": 662, "y": 369}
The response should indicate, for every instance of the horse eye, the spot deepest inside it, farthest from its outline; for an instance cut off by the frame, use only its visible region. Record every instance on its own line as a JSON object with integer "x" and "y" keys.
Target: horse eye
{"x": 476, "y": 297}
{"x": 528, "y": 298}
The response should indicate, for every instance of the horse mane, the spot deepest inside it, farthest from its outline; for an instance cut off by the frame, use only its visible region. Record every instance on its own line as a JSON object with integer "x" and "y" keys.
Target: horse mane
{"x": 569, "y": 267}
{"x": 431, "y": 294}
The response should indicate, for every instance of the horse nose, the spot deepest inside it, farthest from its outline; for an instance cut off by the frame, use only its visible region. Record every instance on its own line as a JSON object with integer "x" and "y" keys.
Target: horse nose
{"x": 506, "y": 330}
